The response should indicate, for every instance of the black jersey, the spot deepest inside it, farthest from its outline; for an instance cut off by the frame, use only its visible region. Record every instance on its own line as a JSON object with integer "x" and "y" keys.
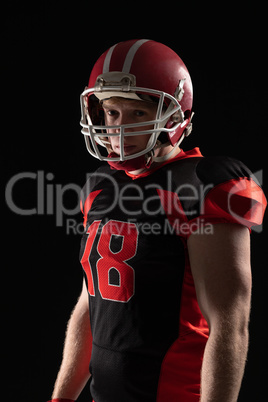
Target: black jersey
{"x": 148, "y": 332}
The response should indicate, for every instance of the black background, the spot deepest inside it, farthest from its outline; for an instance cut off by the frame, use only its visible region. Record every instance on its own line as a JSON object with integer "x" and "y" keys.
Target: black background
{"x": 48, "y": 50}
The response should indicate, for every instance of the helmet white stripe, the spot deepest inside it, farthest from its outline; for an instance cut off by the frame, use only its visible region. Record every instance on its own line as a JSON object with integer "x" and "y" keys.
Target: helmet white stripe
{"x": 129, "y": 57}
{"x": 131, "y": 53}
{"x": 107, "y": 60}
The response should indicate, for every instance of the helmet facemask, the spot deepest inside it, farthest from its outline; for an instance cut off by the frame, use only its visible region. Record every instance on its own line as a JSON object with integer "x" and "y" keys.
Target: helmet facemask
{"x": 169, "y": 117}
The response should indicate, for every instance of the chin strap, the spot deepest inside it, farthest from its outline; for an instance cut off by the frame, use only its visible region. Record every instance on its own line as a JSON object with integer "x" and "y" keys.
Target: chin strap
{"x": 186, "y": 133}
{"x": 144, "y": 161}
{"x": 170, "y": 154}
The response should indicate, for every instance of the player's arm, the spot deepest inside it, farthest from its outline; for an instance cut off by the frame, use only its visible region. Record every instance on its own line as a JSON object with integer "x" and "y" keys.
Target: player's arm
{"x": 74, "y": 371}
{"x": 220, "y": 265}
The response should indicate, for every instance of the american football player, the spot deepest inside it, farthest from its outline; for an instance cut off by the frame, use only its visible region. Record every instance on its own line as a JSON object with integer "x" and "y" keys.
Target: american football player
{"x": 164, "y": 309}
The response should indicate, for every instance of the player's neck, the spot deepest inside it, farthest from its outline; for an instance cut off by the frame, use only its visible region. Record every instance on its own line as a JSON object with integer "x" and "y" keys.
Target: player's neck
{"x": 159, "y": 152}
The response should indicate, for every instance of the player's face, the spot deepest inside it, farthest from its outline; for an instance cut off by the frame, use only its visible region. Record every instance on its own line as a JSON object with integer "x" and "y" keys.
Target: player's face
{"x": 119, "y": 111}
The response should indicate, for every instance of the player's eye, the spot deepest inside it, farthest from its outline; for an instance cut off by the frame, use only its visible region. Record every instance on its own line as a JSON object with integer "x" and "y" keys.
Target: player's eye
{"x": 139, "y": 113}
{"x": 111, "y": 112}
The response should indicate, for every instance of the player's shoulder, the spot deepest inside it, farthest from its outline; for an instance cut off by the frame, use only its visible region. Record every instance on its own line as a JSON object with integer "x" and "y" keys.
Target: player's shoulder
{"x": 214, "y": 170}
{"x": 218, "y": 169}
{"x": 232, "y": 193}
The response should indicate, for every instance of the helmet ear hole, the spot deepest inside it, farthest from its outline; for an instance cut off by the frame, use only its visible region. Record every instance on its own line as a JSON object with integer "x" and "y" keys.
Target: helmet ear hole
{"x": 187, "y": 114}
{"x": 163, "y": 138}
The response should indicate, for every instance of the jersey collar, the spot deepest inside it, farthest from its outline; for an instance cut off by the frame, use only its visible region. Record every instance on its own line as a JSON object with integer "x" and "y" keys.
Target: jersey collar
{"x": 193, "y": 153}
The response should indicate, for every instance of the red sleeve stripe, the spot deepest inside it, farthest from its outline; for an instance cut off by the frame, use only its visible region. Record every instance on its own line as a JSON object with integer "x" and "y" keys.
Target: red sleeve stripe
{"x": 88, "y": 203}
{"x": 238, "y": 200}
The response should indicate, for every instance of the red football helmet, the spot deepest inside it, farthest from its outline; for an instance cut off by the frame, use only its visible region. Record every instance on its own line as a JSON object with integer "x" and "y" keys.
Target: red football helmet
{"x": 143, "y": 70}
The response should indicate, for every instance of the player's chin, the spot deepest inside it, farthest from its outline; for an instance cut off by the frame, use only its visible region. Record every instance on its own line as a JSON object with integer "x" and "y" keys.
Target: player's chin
{"x": 128, "y": 150}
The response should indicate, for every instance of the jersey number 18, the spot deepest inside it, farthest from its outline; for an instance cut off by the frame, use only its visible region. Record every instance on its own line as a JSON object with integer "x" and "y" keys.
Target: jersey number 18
{"x": 109, "y": 260}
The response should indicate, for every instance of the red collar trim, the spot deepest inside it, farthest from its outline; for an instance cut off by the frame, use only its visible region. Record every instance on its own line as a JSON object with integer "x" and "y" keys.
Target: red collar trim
{"x": 193, "y": 153}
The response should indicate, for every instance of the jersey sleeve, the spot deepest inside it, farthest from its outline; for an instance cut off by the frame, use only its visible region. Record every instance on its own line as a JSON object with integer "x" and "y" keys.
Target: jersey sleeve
{"x": 231, "y": 192}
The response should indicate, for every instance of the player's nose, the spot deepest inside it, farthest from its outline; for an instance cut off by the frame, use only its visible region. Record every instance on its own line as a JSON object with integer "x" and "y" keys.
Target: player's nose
{"x": 124, "y": 118}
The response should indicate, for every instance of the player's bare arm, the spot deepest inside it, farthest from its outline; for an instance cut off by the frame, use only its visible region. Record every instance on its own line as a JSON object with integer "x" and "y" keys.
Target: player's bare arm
{"x": 221, "y": 269}
{"x": 74, "y": 371}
